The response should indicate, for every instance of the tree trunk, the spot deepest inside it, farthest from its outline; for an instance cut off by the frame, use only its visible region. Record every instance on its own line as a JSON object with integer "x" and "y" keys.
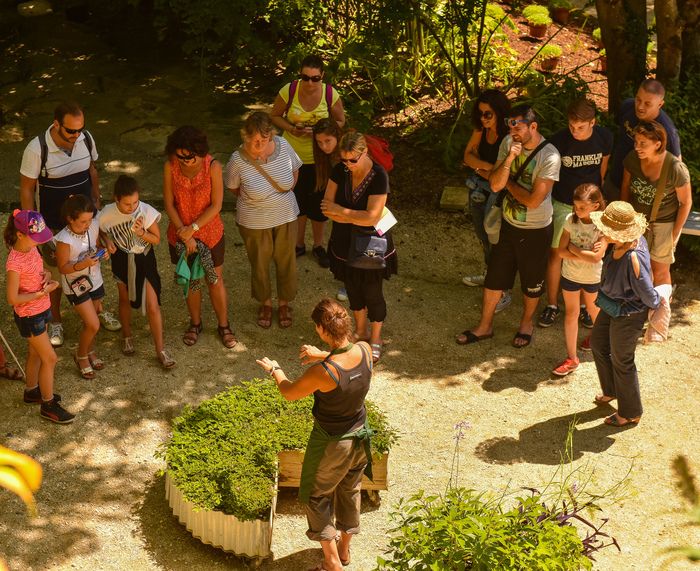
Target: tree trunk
{"x": 669, "y": 29}
{"x": 623, "y": 30}
{"x": 690, "y": 15}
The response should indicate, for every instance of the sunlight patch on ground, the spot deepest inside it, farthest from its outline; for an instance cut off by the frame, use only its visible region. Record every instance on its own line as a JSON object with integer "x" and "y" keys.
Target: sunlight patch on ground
{"x": 126, "y": 167}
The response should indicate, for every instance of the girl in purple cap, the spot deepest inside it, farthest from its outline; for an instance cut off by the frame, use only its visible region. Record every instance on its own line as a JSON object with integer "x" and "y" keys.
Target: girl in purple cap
{"x": 28, "y": 288}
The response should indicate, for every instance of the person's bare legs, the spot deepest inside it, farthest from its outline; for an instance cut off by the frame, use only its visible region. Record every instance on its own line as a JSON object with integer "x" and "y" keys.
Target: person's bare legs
{"x": 32, "y": 366}
{"x": 91, "y": 325}
{"x": 375, "y": 335}
{"x": 488, "y": 310}
{"x": 661, "y": 272}
{"x": 55, "y": 297}
{"x": 343, "y": 546}
{"x": 361, "y": 324}
{"x": 589, "y": 301}
{"x": 155, "y": 318}
{"x": 317, "y": 229}
{"x": 219, "y": 302}
{"x": 331, "y": 559}
{"x": 194, "y": 306}
{"x": 573, "y": 309}
{"x": 124, "y": 309}
{"x": 526, "y": 324}
{"x": 553, "y": 276}
{"x": 41, "y": 350}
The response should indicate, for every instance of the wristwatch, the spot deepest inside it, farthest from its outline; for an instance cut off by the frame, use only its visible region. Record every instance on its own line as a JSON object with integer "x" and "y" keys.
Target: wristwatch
{"x": 195, "y": 226}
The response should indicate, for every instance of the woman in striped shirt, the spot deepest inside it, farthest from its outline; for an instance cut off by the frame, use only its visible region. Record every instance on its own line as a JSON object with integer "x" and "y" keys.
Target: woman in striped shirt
{"x": 262, "y": 173}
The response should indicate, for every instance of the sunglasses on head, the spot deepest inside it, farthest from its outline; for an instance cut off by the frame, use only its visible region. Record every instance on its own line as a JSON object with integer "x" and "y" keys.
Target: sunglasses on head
{"x": 72, "y": 131}
{"x": 314, "y": 78}
{"x": 185, "y": 158}
{"x": 486, "y": 114}
{"x": 514, "y": 122}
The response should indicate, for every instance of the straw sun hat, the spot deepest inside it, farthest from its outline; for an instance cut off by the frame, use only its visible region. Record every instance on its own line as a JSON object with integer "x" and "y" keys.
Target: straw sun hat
{"x": 620, "y": 222}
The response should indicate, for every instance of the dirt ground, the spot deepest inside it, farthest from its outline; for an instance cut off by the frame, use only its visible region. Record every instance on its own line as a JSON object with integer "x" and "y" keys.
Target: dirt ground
{"x": 102, "y": 503}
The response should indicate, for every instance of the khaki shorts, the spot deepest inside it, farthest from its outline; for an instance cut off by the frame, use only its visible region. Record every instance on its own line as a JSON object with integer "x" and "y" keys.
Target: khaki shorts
{"x": 561, "y": 211}
{"x": 659, "y": 236}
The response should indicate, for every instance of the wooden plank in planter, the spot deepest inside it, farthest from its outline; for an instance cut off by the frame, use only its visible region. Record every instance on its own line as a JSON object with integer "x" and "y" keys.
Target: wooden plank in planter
{"x": 290, "y": 471}
{"x": 250, "y": 539}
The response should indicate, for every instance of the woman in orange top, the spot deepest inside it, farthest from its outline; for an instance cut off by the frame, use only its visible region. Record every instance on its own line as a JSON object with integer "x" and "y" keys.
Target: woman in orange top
{"x": 193, "y": 193}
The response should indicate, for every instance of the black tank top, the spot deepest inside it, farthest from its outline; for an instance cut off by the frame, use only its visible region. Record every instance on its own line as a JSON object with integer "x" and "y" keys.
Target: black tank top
{"x": 343, "y": 410}
{"x": 489, "y": 152}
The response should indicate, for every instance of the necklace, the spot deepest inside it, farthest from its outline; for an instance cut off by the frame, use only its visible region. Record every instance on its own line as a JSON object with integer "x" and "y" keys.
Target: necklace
{"x": 340, "y": 350}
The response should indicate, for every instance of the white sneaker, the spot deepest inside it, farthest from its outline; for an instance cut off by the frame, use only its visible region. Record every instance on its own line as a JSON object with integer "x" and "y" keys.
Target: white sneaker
{"x": 505, "y": 301}
{"x": 342, "y": 295}
{"x": 109, "y": 322}
{"x": 477, "y": 280}
{"x": 56, "y": 334}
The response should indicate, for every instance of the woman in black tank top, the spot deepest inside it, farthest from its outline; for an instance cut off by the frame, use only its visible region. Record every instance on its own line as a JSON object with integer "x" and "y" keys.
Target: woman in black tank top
{"x": 338, "y": 451}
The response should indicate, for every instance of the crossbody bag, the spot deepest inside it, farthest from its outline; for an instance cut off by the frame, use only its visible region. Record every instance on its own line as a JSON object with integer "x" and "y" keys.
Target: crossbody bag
{"x": 261, "y": 170}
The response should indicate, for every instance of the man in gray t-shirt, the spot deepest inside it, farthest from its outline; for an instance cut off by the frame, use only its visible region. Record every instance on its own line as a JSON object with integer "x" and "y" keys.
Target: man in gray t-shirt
{"x": 526, "y": 231}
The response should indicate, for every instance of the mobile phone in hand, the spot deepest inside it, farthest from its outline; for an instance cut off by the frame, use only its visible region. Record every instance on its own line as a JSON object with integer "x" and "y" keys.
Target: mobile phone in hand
{"x": 100, "y": 253}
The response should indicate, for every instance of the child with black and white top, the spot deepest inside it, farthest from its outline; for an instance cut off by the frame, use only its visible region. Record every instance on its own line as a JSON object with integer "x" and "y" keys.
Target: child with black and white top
{"x": 78, "y": 255}
{"x": 582, "y": 248}
{"x": 130, "y": 230}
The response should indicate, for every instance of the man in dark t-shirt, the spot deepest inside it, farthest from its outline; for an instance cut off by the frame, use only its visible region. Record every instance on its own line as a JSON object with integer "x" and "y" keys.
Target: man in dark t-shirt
{"x": 646, "y": 106}
{"x": 585, "y": 150}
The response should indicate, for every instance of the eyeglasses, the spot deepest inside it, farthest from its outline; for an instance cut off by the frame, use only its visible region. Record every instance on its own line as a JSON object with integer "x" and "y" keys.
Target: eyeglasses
{"x": 514, "y": 122}
{"x": 73, "y": 131}
{"x": 314, "y": 78}
{"x": 486, "y": 114}
{"x": 352, "y": 161}
{"x": 185, "y": 158}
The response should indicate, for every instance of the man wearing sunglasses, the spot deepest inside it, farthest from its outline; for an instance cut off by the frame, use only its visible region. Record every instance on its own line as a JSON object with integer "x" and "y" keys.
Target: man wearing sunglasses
{"x": 526, "y": 170}
{"x": 55, "y": 165}
{"x": 646, "y": 106}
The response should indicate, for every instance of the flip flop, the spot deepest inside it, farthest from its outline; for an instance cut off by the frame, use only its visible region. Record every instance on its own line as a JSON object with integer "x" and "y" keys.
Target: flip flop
{"x": 602, "y": 400}
{"x": 284, "y": 316}
{"x": 376, "y": 351}
{"x": 525, "y": 337}
{"x": 613, "y": 421}
{"x": 11, "y": 373}
{"x": 466, "y": 337}
{"x": 265, "y": 316}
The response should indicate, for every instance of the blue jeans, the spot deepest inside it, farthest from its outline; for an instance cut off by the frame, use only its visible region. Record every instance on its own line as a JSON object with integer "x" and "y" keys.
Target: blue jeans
{"x": 481, "y": 198}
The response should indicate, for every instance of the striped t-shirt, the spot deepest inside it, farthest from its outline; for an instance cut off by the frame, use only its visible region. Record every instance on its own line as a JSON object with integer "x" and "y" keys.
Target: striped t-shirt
{"x": 260, "y": 205}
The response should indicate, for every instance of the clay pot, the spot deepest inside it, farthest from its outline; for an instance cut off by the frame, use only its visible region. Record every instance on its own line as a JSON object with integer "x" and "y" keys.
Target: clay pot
{"x": 603, "y": 64}
{"x": 537, "y": 31}
{"x": 560, "y": 15}
{"x": 549, "y": 64}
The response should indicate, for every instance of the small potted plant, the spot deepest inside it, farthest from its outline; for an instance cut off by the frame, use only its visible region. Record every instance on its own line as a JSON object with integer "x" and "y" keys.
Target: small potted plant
{"x": 549, "y": 57}
{"x": 534, "y": 9}
{"x": 603, "y": 61}
{"x": 538, "y": 22}
{"x": 597, "y": 38}
{"x": 561, "y": 10}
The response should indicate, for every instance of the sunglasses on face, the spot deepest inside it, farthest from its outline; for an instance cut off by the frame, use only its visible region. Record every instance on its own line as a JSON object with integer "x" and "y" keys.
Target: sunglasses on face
{"x": 314, "y": 78}
{"x": 73, "y": 131}
{"x": 514, "y": 122}
{"x": 185, "y": 158}
{"x": 352, "y": 161}
{"x": 486, "y": 114}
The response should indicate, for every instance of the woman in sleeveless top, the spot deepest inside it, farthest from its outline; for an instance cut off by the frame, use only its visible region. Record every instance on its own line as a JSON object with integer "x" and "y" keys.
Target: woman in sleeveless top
{"x": 488, "y": 119}
{"x": 338, "y": 452}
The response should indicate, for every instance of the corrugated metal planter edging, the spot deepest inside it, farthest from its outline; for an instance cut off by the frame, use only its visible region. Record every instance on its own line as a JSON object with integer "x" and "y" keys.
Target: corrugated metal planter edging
{"x": 250, "y": 539}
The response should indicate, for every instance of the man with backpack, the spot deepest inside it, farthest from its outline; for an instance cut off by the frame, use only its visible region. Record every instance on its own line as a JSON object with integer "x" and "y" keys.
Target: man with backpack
{"x": 55, "y": 165}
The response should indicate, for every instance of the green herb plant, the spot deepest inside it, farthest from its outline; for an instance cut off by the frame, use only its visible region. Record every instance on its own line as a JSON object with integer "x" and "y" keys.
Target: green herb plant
{"x": 539, "y": 19}
{"x": 222, "y": 453}
{"x": 528, "y": 529}
{"x": 688, "y": 489}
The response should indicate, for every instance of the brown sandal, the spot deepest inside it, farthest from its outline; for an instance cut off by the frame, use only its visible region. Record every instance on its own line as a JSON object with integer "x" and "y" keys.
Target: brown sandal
{"x": 227, "y": 337}
{"x": 265, "y": 316}
{"x": 284, "y": 316}
{"x": 11, "y": 373}
{"x": 192, "y": 334}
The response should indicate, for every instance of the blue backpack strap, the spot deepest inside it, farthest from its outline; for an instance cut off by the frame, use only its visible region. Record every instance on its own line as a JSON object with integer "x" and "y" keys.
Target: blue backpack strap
{"x": 44, "y": 154}
{"x": 292, "y": 90}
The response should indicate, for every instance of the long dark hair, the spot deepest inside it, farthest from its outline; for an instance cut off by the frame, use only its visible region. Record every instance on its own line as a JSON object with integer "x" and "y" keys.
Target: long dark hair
{"x": 500, "y": 104}
{"x": 10, "y": 234}
{"x": 588, "y": 192}
{"x": 324, "y": 163}
{"x": 333, "y": 318}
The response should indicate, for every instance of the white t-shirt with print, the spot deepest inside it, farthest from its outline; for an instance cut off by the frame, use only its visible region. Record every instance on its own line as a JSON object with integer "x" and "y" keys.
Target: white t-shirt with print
{"x": 584, "y": 236}
{"x": 81, "y": 247}
{"x": 545, "y": 166}
{"x": 117, "y": 225}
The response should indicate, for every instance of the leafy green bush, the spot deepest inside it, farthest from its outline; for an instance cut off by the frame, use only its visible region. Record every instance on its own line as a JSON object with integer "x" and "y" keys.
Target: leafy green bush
{"x": 222, "y": 454}
{"x": 463, "y": 529}
{"x": 533, "y": 9}
{"x": 539, "y": 19}
{"x": 549, "y": 51}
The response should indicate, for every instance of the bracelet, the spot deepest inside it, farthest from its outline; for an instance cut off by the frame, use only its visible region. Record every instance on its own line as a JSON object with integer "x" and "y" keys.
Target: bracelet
{"x": 271, "y": 372}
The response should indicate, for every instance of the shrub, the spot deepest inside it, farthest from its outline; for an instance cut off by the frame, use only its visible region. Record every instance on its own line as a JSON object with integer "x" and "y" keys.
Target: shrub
{"x": 596, "y": 35}
{"x": 539, "y": 19}
{"x": 222, "y": 454}
{"x": 549, "y": 51}
{"x": 533, "y": 9}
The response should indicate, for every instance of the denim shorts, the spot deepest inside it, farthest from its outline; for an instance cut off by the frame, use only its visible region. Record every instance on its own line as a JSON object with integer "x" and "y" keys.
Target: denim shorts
{"x": 568, "y": 285}
{"x": 33, "y": 325}
{"x": 93, "y": 294}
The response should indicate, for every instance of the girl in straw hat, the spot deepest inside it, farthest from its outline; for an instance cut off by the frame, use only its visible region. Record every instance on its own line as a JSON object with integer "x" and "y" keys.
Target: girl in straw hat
{"x": 625, "y": 296}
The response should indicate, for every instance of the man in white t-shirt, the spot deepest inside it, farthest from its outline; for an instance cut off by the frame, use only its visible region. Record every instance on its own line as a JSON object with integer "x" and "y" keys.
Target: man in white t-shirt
{"x": 56, "y": 164}
{"x": 526, "y": 230}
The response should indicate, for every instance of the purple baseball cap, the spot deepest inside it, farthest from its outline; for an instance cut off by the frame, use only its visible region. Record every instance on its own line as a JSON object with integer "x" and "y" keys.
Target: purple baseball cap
{"x": 32, "y": 224}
